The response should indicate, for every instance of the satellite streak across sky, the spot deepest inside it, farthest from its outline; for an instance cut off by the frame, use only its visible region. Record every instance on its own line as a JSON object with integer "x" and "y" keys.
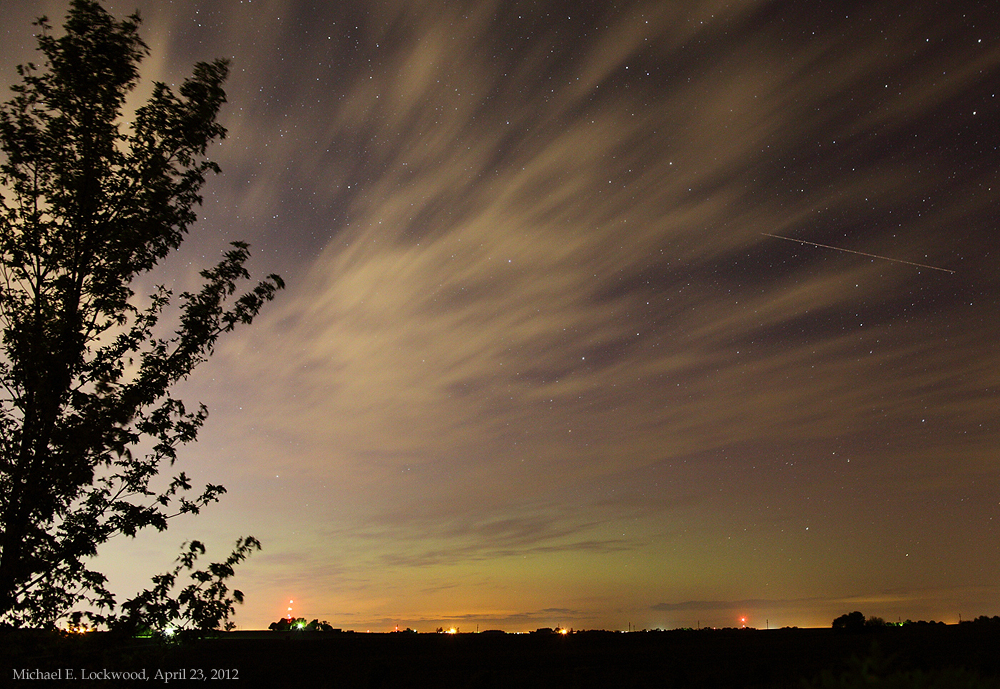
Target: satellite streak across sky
{"x": 859, "y": 253}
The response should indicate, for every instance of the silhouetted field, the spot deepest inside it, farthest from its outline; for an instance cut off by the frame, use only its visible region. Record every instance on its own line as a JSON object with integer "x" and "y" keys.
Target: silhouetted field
{"x": 955, "y": 656}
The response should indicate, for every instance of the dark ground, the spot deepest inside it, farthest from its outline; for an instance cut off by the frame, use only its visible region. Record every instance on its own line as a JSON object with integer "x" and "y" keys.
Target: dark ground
{"x": 920, "y": 655}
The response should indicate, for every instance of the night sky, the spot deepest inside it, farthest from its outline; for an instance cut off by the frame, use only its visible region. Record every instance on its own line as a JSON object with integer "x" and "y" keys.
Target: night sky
{"x": 539, "y": 363}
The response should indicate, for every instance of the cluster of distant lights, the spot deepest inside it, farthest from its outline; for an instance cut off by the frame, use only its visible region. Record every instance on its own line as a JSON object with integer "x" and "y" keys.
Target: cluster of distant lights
{"x": 169, "y": 632}
{"x": 166, "y": 632}
{"x": 453, "y": 630}
{"x": 298, "y": 625}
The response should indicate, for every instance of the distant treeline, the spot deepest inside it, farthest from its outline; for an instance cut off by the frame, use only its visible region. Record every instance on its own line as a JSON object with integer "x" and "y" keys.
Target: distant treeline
{"x": 856, "y": 622}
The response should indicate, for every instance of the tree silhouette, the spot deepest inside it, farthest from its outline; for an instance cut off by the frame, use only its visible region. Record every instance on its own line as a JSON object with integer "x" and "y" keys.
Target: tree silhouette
{"x": 299, "y": 624}
{"x": 87, "y": 420}
{"x": 850, "y": 622}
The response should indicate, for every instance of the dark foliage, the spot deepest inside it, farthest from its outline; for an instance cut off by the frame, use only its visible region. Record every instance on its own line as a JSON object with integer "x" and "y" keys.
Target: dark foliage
{"x": 850, "y": 622}
{"x": 299, "y": 624}
{"x": 87, "y": 420}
